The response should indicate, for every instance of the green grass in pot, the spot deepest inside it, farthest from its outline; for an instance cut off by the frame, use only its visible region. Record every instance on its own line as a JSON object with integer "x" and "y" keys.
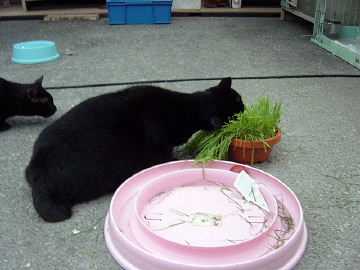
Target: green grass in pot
{"x": 258, "y": 122}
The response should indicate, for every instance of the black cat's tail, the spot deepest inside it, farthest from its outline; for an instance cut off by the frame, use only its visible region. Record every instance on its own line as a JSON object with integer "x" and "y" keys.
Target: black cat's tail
{"x": 44, "y": 203}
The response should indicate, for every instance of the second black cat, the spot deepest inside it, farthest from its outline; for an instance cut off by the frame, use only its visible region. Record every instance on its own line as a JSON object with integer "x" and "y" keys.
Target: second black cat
{"x": 101, "y": 142}
{"x": 24, "y": 100}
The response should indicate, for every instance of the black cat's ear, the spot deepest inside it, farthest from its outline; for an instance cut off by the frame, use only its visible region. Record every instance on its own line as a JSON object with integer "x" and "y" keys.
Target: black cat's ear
{"x": 225, "y": 83}
{"x": 40, "y": 80}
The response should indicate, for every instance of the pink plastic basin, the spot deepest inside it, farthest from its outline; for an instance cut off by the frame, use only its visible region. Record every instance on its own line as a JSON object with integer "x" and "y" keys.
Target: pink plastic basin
{"x": 197, "y": 220}
{"x": 176, "y": 191}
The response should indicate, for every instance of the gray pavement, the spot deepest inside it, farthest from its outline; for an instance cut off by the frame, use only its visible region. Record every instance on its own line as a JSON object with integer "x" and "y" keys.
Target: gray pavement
{"x": 318, "y": 157}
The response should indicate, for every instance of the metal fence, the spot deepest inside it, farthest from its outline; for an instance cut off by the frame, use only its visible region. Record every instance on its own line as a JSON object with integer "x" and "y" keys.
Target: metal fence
{"x": 345, "y": 12}
{"x": 337, "y": 28}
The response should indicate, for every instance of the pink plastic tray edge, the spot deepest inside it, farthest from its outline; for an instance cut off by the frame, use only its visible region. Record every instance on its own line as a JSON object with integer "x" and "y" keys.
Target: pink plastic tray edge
{"x": 291, "y": 263}
{"x": 158, "y": 238}
{"x": 128, "y": 266}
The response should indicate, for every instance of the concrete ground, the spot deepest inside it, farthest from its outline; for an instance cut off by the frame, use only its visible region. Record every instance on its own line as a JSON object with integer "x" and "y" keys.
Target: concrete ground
{"x": 318, "y": 157}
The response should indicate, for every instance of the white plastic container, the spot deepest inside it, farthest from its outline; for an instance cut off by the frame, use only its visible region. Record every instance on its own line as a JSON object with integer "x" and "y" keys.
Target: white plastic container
{"x": 236, "y": 3}
{"x": 186, "y": 4}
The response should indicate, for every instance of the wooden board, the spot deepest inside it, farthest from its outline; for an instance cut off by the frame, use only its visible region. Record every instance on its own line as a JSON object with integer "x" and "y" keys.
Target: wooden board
{"x": 69, "y": 17}
{"x": 18, "y": 12}
{"x": 244, "y": 10}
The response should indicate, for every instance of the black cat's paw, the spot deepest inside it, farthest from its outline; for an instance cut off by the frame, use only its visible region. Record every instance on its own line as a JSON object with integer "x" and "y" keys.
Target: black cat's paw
{"x": 57, "y": 213}
{"x": 4, "y": 126}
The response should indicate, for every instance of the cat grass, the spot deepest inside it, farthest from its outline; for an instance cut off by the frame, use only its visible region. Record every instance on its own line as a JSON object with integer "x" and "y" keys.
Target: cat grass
{"x": 258, "y": 122}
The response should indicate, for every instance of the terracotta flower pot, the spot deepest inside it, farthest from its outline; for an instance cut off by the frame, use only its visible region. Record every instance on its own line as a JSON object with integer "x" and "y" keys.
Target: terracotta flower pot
{"x": 250, "y": 152}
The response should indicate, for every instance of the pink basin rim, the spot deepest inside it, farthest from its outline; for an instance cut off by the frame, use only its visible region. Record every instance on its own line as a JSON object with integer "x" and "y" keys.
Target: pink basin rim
{"x": 126, "y": 264}
{"x": 167, "y": 181}
{"x": 289, "y": 253}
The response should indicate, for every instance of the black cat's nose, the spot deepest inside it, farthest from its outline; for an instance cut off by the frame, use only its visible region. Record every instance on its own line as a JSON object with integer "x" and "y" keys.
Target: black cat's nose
{"x": 54, "y": 109}
{"x": 243, "y": 107}
{"x": 216, "y": 123}
{"x": 50, "y": 112}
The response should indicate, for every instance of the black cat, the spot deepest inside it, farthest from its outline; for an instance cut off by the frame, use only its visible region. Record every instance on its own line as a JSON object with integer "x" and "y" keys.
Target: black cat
{"x": 99, "y": 143}
{"x": 24, "y": 99}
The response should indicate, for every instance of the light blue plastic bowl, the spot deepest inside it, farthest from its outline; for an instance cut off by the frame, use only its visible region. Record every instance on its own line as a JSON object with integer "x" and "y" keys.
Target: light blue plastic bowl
{"x": 33, "y": 52}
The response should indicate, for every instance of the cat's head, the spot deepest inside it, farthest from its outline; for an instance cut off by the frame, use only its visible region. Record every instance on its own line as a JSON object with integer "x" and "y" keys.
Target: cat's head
{"x": 37, "y": 100}
{"x": 224, "y": 103}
